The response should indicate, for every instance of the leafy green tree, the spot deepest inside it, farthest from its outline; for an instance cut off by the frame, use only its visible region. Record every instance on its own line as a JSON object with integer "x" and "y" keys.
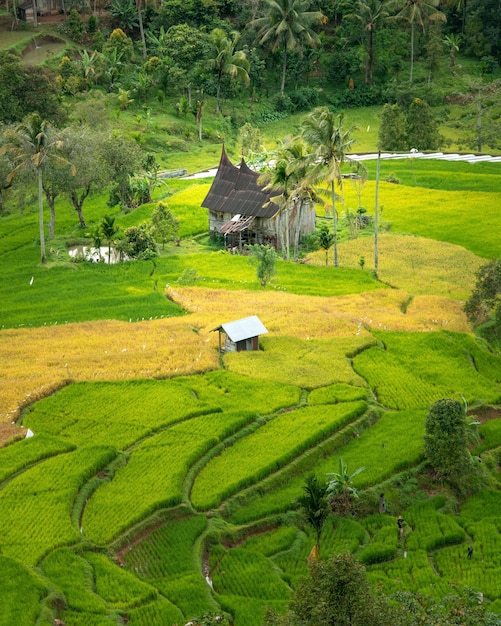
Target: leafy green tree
{"x": 250, "y": 139}
{"x": 119, "y": 43}
{"x": 422, "y": 127}
{"x": 323, "y": 131}
{"x": 446, "y": 441}
{"x": 28, "y": 89}
{"x": 313, "y": 505}
{"x": 75, "y": 26}
{"x": 121, "y": 158}
{"x": 138, "y": 243}
{"x": 340, "y": 489}
{"x": 82, "y": 148}
{"x": 325, "y": 240}
{"x": 165, "y": 224}
{"x": 371, "y": 14}
{"x": 223, "y": 60}
{"x": 335, "y": 593}
{"x": 484, "y": 24}
{"x": 392, "y": 130}
{"x": 264, "y": 258}
{"x": 30, "y": 146}
{"x": 462, "y": 606}
{"x": 420, "y": 13}
{"x": 109, "y": 230}
{"x": 289, "y": 179}
{"x": 124, "y": 15}
{"x": 11, "y": 79}
{"x": 287, "y": 25}
{"x": 484, "y": 304}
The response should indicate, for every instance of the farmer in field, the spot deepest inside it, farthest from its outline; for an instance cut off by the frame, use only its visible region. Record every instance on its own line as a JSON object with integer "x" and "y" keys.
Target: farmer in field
{"x": 400, "y": 524}
{"x": 382, "y": 503}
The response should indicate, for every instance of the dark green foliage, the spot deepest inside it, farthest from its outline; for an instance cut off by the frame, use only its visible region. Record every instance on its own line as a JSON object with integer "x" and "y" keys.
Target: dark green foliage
{"x": 485, "y": 300}
{"x": 92, "y": 24}
{"x": 196, "y": 13}
{"x": 325, "y": 240}
{"x": 139, "y": 243}
{"x": 336, "y": 593}
{"x": 361, "y": 96}
{"x": 445, "y": 441}
{"x": 487, "y": 14}
{"x": 465, "y": 607}
{"x": 165, "y": 224}
{"x": 422, "y": 127}
{"x": 27, "y": 89}
{"x": 124, "y": 15}
{"x": 313, "y": 504}
{"x": 417, "y": 128}
{"x": 75, "y": 26}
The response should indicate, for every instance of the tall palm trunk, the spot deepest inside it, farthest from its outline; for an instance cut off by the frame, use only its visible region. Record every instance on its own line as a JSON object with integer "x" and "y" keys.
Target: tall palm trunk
{"x": 287, "y": 233}
{"x": 371, "y": 58}
{"x": 376, "y": 214}
{"x": 40, "y": 215}
{"x": 334, "y": 220}
{"x": 284, "y": 69}
{"x": 141, "y": 29}
{"x": 297, "y": 232}
{"x": 412, "y": 52}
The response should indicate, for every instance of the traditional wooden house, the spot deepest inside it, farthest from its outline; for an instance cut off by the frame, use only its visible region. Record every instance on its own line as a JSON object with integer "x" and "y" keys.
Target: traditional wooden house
{"x": 240, "y": 335}
{"x": 26, "y": 10}
{"x": 241, "y": 210}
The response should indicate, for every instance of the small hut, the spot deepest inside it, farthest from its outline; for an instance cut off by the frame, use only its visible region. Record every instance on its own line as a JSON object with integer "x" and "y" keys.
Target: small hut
{"x": 240, "y": 335}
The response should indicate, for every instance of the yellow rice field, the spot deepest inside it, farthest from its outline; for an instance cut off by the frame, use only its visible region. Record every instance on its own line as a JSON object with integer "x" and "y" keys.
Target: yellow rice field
{"x": 416, "y": 264}
{"x": 36, "y": 361}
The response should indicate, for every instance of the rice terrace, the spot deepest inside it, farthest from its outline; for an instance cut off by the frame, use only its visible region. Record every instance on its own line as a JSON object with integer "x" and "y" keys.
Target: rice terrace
{"x": 163, "y": 477}
{"x": 149, "y": 477}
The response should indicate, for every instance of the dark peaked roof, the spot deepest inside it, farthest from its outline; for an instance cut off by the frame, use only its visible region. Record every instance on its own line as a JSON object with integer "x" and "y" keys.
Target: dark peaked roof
{"x": 237, "y": 191}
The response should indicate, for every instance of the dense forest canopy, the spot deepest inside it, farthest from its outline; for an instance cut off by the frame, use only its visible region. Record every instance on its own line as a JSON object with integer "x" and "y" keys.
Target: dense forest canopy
{"x": 352, "y": 49}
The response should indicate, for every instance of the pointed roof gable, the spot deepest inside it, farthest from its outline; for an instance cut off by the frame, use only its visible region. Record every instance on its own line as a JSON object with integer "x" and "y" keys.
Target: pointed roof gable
{"x": 223, "y": 183}
{"x": 237, "y": 191}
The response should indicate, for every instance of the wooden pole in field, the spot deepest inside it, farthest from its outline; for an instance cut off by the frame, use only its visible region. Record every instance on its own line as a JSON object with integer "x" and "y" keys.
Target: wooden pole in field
{"x": 376, "y": 216}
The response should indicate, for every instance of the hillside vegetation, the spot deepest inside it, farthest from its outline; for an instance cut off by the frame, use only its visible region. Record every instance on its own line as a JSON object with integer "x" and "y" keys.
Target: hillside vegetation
{"x": 147, "y": 479}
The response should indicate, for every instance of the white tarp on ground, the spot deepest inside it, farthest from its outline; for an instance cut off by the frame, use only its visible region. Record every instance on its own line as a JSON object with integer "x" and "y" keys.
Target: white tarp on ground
{"x": 439, "y": 156}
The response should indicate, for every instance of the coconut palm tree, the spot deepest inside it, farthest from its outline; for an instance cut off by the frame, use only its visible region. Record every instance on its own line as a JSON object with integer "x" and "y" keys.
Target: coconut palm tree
{"x": 289, "y": 179}
{"x": 371, "y": 13}
{"x": 286, "y": 25}
{"x": 280, "y": 181}
{"x": 223, "y": 59}
{"x": 420, "y": 12}
{"x": 30, "y": 146}
{"x": 323, "y": 130}
{"x": 340, "y": 490}
{"x": 313, "y": 504}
